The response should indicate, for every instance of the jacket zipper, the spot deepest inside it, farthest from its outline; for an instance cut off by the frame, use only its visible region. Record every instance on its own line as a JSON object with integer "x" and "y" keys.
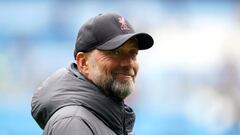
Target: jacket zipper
{"x": 124, "y": 126}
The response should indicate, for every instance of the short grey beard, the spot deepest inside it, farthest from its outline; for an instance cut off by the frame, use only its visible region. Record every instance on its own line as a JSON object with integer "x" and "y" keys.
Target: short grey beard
{"x": 122, "y": 90}
{"x": 111, "y": 86}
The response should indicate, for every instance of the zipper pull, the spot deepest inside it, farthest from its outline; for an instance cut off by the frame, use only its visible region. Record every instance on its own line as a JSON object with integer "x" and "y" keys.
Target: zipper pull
{"x": 131, "y": 133}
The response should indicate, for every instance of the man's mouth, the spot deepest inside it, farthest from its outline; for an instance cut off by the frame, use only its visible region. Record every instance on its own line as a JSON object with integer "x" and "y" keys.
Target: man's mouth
{"x": 124, "y": 76}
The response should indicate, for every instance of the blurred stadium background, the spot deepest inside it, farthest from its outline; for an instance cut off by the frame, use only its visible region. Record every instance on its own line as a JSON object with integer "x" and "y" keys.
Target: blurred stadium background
{"x": 188, "y": 82}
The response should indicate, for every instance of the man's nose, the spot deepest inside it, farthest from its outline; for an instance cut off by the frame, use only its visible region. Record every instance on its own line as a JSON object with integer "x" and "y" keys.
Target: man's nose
{"x": 127, "y": 61}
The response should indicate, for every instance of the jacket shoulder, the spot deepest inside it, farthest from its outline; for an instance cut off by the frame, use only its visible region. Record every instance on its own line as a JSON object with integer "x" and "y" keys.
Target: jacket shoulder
{"x": 76, "y": 120}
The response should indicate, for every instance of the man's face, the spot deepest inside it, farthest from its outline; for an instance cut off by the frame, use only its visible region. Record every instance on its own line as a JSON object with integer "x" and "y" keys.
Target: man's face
{"x": 115, "y": 71}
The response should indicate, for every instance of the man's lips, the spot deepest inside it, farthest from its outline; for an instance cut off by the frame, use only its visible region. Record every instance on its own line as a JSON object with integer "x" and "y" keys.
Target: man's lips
{"x": 124, "y": 75}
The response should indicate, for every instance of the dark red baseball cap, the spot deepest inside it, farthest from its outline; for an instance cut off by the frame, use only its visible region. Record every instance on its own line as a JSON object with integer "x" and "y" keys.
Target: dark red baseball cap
{"x": 108, "y": 32}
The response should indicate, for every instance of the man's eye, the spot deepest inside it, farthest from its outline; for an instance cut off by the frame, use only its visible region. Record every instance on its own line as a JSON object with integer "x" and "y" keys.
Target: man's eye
{"x": 115, "y": 52}
{"x": 134, "y": 53}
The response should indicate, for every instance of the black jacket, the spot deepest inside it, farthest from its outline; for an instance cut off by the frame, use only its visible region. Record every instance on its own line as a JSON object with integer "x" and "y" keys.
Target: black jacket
{"x": 69, "y": 104}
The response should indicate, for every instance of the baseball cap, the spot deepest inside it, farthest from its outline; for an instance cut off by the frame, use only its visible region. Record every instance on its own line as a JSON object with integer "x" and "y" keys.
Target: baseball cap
{"x": 108, "y": 32}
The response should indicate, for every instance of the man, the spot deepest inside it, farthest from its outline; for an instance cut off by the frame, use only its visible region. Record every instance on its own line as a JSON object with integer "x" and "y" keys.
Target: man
{"x": 87, "y": 98}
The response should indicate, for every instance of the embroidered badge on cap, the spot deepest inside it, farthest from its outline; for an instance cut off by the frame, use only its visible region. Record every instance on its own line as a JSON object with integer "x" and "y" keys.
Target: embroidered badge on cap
{"x": 123, "y": 24}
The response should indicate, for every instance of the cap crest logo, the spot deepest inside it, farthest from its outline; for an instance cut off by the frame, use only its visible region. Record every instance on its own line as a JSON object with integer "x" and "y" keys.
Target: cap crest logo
{"x": 123, "y": 24}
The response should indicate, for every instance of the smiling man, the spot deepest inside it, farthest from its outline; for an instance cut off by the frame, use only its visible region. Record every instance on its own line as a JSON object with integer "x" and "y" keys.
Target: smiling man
{"x": 113, "y": 71}
{"x": 87, "y": 98}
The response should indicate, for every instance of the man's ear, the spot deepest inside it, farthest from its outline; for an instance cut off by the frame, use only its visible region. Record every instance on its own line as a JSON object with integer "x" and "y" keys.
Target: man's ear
{"x": 81, "y": 60}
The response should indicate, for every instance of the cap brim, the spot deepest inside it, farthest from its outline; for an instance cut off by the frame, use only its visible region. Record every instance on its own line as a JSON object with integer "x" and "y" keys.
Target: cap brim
{"x": 145, "y": 41}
